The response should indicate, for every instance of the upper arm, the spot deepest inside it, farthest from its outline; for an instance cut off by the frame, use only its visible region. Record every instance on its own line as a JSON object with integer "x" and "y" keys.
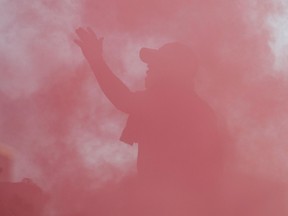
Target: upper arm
{"x": 128, "y": 103}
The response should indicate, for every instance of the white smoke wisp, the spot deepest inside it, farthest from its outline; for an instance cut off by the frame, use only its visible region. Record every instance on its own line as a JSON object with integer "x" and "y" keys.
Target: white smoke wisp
{"x": 35, "y": 42}
{"x": 278, "y": 22}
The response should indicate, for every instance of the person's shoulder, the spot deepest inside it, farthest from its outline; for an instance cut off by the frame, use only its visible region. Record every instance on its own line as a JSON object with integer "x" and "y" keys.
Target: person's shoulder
{"x": 139, "y": 96}
{"x": 139, "y": 92}
{"x": 137, "y": 101}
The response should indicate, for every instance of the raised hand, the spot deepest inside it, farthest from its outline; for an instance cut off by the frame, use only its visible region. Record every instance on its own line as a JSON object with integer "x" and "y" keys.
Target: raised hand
{"x": 90, "y": 44}
{"x": 114, "y": 89}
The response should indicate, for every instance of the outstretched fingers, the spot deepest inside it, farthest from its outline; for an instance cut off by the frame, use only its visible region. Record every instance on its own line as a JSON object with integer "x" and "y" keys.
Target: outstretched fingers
{"x": 82, "y": 34}
{"x": 86, "y": 34}
{"x": 78, "y": 42}
{"x": 91, "y": 32}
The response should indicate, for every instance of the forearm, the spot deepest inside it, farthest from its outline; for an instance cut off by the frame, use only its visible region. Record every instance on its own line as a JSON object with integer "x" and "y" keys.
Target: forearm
{"x": 113, "y": 88}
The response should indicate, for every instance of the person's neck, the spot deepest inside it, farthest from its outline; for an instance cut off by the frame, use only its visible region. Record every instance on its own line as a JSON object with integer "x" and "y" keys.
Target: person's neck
{"x": 172, "y": 93}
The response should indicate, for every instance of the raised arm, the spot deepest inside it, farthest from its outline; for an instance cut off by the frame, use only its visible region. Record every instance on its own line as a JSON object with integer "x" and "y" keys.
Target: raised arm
{"x": 114, "y": 89}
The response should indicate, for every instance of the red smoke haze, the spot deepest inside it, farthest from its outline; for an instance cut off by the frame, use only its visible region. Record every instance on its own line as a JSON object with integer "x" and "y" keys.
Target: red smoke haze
{"x": 64, "y": 132}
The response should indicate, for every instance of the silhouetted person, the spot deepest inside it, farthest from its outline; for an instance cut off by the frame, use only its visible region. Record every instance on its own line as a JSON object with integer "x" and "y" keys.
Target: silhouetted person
{"x": 179, "y": 146}
{"x": 5, "y": 164}
{"x": 21, "y": 198}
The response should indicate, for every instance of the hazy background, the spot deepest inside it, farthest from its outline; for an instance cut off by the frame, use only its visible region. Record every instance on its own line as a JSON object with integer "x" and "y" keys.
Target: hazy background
{"x": 63, "y": 132}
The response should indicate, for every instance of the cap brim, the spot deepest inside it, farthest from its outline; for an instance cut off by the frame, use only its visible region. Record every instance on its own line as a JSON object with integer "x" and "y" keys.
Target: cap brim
{"x": 147, "y": 54}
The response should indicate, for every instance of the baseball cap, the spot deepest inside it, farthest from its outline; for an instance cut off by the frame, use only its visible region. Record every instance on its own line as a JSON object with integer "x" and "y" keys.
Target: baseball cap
{"x": 172, "y": 53}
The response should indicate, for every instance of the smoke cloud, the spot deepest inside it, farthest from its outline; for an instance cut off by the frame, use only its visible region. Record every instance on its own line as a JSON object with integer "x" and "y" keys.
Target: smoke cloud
{"x": 65, "y": 133}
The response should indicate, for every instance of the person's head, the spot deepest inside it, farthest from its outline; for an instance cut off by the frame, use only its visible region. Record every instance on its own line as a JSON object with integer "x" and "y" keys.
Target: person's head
{"x": 171, "y": 66}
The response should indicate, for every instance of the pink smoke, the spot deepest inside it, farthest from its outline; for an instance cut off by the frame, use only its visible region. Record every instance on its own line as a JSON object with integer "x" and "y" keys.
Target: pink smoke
{"x": 65, "y": 133}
